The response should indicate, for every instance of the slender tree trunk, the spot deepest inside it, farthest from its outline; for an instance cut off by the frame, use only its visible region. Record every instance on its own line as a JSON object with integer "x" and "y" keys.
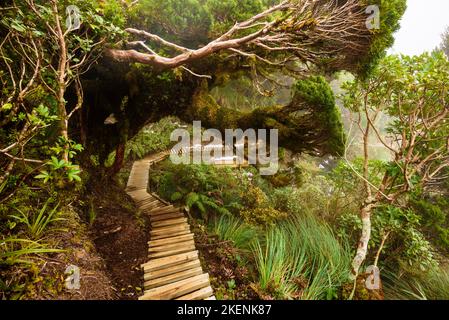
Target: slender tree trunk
{"x": 362, "y": 250}
{"x": 367, "y": 207}
{"x": 119, "y": 158}
{"x": 62, "y": 75}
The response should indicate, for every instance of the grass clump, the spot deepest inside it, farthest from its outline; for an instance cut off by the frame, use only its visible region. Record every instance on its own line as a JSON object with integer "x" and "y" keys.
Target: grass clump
{"x": 301, "y": 259}
{"x": 417, "y": 285}
{"x": 230, "y": 228}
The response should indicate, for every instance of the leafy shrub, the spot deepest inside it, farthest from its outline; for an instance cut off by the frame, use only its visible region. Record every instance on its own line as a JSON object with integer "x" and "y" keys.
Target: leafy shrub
{"x": 205, "y": 187}
{"x": 257, "y": 208}
{"x": 152, "y": 138}
{"x": 202, "y": 203}
{"x": 401, "y": 227}
{"x": 434, "y": 213}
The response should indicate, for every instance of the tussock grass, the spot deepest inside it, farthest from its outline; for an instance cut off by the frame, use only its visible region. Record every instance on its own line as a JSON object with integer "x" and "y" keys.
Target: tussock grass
{"x": 230, "y": 228}
{"x": 408, "y": 285}
{"x": 301, "y": 258}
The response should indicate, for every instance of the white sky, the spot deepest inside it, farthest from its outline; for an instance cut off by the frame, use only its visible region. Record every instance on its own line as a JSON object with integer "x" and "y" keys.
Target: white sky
{"x": 421, "y": 26}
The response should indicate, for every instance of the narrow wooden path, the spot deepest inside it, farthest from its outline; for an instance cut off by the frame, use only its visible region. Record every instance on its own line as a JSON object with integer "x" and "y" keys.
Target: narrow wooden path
{"x": 173, "y": 270}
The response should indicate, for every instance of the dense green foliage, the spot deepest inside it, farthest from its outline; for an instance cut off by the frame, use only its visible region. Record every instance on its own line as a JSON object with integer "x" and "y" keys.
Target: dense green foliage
{"x": 390, "y": 15}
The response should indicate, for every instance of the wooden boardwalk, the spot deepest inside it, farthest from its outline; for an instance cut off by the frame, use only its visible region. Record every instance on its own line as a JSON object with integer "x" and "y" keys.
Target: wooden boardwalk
{"x": 173, "y": 270}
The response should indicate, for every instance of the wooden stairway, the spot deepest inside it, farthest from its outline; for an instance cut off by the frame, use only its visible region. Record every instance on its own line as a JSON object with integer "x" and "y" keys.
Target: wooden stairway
{"x": 173, "y": 270}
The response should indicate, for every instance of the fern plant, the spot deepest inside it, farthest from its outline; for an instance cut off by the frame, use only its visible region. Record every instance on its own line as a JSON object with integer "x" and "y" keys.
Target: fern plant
{"x": 202, "y": 203}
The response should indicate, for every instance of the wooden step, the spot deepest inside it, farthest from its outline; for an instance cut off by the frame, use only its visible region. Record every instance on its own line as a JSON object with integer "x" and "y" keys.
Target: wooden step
{"x": 168, "y": 222}
{"x": 158, "y": 264}
{"x": 150, "y": 274}
{"x": 150, "y": 284}
{"x": 170, "y": 235}
{"x": 200, "y": 294}
{"x": 136, "y": 188}
{"x": 171, "y": 246}
{"x": 166, "y": 216}
{"x": 167, "y": 230}
{"x": 177, "y": 289}
{"x": 150, "y": 206}
{"x": 139, "y": 195}
{"x": 162, "y": 200}
{"x": 174, "y": 269}
{"x": 160, "y": 205}
{"x": 155, "y": 243}
{"x": 169, "y": 253}
{"x": 165, "y": 209}
{"x": 147, "y": 200}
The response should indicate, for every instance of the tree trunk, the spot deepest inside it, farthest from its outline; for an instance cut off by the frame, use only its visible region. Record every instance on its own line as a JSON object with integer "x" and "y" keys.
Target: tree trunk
{"x": 119, "y": 159}
{"x": 62, "y": 75}
{"x": 362, "y": 250}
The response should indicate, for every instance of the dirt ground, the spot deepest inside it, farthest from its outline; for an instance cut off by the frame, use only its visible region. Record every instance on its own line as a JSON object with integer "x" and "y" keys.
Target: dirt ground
{"x": 230, "y": 279}
{"x": 120, "y": 235}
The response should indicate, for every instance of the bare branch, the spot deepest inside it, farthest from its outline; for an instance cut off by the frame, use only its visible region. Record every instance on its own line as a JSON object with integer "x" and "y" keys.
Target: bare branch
{"x": 307, "y": 30}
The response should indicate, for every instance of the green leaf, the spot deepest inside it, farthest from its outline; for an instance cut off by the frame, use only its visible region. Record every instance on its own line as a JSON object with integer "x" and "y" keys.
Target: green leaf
{"x": 18, "y": 27}
{"x": 42, "y": 175}
{"x": 7, "y": 107}
{"x": 176, "y": 196}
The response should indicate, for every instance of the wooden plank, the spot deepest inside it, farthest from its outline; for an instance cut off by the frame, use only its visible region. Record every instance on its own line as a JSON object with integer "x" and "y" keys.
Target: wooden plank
{"x": 158, "y": 264}
{"x": 156, "y": 255}
{"x": 158, "y": 206}
{"x": 177, "y": 289}
{"x": 148, "y": 200}
{"x": 172, "y": 246}
{"x": 211, "y": 298}
{"x": 167, "y": 216}
{"x": 155, "y": 243}
{"x": 198, "y": 295}
{"x": 150, "y": 284}
{"x": 168, "y": 222}
{"x": 170, "y": 229}
{"x": 176, "y": 227}
{"x": 163, "y": 210}
{"x": 149, "y": 206}
{"x": 149, "y": 275}
{"x": 135, "y": 188}
{"x": 138, "y": 194}
{"x": 170, "y": 235}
